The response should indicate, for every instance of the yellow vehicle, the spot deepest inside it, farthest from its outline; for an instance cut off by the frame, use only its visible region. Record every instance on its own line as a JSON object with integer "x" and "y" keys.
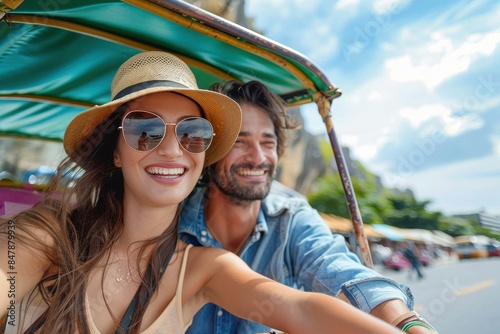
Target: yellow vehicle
{"x": 472, "y": 246}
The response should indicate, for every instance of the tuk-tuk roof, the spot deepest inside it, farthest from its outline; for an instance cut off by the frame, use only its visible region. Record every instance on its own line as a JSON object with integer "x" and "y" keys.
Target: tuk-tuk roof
{"x": 58, "y": 58}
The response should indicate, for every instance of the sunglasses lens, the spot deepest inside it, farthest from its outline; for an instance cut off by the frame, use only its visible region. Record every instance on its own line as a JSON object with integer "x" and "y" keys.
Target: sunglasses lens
{"x": 143, "y": 131}
{"x": 194, "y": 134}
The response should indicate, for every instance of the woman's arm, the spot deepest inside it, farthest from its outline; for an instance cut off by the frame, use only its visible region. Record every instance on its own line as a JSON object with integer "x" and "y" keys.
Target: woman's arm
{"x": 235, "y": 287}
{"x": 21, "y": 266}
{"x": 393, "y": 309}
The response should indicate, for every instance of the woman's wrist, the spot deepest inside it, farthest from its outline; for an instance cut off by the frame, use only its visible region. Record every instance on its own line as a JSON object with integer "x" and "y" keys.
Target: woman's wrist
{"x": 413, "y": 323}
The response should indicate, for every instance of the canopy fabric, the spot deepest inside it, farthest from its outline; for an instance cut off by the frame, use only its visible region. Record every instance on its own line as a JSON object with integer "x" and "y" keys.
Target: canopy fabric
{"x": 58, "y": 58}
{"x": 416, "y": 234}
{"x": 342, "y": 225}
{"x": 428, "y": 237}
{"x": 443, "y": 239}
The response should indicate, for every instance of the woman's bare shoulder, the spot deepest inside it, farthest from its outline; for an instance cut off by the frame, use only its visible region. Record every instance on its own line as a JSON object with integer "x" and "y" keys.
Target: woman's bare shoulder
{"x": 210, "y": 260}
{"x": 209, "y": 255}
{"x": 203, "y": 263}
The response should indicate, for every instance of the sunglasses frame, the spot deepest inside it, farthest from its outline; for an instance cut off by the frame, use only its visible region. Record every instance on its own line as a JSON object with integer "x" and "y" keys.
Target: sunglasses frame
{"x": 121, "y": 127}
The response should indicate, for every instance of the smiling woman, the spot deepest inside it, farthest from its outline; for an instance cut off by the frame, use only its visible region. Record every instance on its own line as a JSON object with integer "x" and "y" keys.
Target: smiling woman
{"x": 104, "y": 256}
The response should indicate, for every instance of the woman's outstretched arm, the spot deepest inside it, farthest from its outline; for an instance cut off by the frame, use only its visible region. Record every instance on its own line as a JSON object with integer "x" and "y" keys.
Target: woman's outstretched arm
{"x": 235, "y": 287}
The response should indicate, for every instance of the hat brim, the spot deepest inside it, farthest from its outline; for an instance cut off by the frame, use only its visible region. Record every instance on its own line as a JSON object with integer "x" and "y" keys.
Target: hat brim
{"x": 220, "y": 110}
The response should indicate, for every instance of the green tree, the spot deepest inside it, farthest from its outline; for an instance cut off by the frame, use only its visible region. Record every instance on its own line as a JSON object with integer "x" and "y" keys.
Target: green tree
{"x": 381, "y": 205}
{"x": 329, "y": 198}
{"x": 456, "y": 226}
{"x": 409, "y": 212}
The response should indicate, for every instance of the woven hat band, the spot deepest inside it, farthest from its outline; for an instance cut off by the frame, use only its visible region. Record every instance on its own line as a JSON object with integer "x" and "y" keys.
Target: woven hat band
{"x": 147, "y": 84}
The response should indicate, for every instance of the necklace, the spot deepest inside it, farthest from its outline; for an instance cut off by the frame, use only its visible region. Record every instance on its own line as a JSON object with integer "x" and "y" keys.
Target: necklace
{"x": 121, "y": 277}
{"x": 242, "y": 243}
{"x": 125, "y": 277}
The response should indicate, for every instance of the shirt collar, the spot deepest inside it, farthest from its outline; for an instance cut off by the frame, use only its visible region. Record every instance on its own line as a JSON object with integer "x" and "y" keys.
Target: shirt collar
{"x": 192, "y": 219}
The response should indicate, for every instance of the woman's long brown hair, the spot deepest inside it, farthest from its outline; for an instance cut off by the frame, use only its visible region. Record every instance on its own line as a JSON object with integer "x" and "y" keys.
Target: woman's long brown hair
{"x": 76, "y": 224}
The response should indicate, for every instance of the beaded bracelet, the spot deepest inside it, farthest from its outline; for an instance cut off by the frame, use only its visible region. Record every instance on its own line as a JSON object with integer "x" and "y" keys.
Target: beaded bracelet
{"x": 417, "y": 323}
{"x": 410, "y": 319}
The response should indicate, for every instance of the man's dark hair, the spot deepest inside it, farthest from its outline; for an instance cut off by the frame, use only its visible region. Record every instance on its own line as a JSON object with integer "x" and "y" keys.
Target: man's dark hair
{"x": 256, "y": 93}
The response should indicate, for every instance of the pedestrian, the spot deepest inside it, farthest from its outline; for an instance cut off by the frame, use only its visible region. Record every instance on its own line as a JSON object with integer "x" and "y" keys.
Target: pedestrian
{"x": 102, "y": 254}
{"x": 240, "y": 208}
{"x": 411, "y": 253}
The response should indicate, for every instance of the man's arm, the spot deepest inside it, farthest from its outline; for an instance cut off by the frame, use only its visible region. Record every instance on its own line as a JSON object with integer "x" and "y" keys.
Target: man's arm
{"x": 321, "y": 262}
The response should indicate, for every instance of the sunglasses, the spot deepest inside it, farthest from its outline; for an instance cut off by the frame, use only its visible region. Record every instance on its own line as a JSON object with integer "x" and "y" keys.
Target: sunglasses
{"x": 144, "y": 131}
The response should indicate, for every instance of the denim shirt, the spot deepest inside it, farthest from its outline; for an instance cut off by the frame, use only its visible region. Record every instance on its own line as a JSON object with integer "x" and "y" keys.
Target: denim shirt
{"x": 292, "y": 245}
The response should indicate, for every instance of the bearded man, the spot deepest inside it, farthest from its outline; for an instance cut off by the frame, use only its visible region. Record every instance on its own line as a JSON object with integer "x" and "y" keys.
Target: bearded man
{"x": 273, "y": 229}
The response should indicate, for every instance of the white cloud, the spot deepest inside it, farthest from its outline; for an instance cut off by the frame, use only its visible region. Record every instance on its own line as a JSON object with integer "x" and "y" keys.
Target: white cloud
{"x": 439, "y": 60}
{"x": 349, "y": 140}
{"x": 495, "y": 139}
{"x": 442, "y": 118}
{"x": 417, "y": 116}
{"x": 375, "y": 96}
{"x": 261, "y": 9}
{"x": 342, "y": 4}
{"x": 323, "y": 45}
{"x": 464, "y": 187}
{"x": 465, "y": 9}
{"x": 370, "y": 114}
{"x": 489, "y": 103}
{"x": 365, "y": 152}
{"x": 454, "y": 126}
{"x": 383, "y": 6}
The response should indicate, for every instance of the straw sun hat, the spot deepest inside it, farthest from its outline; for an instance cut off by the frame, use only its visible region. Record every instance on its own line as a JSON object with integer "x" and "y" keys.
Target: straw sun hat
{"x": 152, "y": 72}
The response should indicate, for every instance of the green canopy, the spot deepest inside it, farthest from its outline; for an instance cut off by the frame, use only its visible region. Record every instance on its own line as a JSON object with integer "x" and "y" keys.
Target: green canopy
{"x": 58, "y": 58}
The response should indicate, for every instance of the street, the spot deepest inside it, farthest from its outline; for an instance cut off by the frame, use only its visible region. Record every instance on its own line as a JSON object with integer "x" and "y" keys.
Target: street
{"x": 459, "y": 298}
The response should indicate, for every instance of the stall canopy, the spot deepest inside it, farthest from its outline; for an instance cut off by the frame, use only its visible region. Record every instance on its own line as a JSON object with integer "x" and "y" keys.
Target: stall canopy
{"x": 443, "y": 239}
{"x": 427, "y": 237}
{"x": 388, "y": 231}
{"x": 343, "y": 226}
{"x": 418, "y": 235}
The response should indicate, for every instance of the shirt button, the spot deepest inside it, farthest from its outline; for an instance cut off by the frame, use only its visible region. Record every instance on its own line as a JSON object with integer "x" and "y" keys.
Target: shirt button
{"x": 203, "y": 239}
{"x": 220, "y": 313}
{"x": 203, "y": 232}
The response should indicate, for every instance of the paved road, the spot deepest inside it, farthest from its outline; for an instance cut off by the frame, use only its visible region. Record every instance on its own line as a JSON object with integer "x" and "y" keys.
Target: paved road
{"x": 459, "y": 298}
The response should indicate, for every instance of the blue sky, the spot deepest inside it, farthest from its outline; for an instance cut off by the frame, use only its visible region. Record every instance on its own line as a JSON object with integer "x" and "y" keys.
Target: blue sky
{"x": 421, "y": 89}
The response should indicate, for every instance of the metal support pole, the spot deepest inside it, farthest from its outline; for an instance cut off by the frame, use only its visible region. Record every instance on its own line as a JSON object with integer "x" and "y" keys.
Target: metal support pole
{"x": 352, "y": 204}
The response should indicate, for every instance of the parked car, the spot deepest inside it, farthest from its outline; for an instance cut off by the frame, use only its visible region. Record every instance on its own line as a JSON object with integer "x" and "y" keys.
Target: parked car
{"x": 493, "y": 249}
{"x": 471, "y": 250}
{"x": 397, "y": 261}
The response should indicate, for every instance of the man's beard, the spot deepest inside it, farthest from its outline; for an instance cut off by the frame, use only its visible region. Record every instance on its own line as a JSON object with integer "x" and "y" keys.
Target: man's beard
{"x": 228, "y": 184}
